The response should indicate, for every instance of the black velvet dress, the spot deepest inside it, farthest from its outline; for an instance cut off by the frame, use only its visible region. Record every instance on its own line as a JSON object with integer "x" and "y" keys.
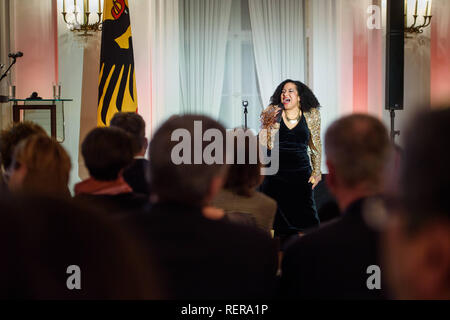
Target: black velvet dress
{"x": 290, "y": 187}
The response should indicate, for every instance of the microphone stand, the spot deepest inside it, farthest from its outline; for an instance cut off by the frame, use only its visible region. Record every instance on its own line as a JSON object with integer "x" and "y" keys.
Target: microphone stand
{"x": 4, "y": 99}
{"x": 245, "y": 105}
{"x": 394, "y": 132}
{"x": 6, "y": 72}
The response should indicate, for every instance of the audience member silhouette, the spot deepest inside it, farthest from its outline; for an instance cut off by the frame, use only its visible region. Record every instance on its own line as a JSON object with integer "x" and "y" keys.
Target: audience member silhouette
{"x": 204, "y": 256}
{"x": 10, "y": 138}
{"x": 187, "y": 245}
{"x": 40, "y": 166}
{"x": 332, "y": 262}
{"x": 239, "y": 197}
{"x": 107, "y": 152}
{"x": 53, "y": 249}
{"x": 136, "y": 174}
{"x": 417, "y": 240}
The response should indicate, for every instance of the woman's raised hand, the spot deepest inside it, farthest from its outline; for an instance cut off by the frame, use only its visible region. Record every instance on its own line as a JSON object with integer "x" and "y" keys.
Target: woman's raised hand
{"x": 276, "y": 112}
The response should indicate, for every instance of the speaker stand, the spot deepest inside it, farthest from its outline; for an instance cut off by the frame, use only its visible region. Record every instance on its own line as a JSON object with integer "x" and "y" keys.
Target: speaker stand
{"x": 394, "y": 132}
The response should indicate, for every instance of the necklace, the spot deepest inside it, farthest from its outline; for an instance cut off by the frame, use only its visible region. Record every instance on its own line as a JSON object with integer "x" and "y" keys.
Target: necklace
{"x": 295, "y": 120}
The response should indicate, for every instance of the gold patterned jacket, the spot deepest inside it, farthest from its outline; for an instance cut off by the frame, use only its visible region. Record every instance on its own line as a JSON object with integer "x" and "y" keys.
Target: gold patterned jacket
{"x": 312, "y": 117}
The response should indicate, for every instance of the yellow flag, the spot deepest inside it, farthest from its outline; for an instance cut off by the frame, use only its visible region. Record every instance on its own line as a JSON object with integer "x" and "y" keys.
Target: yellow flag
{"x": 117, "y": 82}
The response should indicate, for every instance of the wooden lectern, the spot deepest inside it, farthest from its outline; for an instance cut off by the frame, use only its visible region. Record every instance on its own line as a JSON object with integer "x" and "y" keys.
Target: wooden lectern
{"x": 39, "y": 104}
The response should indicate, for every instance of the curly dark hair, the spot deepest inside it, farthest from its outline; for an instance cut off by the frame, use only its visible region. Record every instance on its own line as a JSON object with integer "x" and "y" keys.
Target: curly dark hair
{"x": 308, "y": 100}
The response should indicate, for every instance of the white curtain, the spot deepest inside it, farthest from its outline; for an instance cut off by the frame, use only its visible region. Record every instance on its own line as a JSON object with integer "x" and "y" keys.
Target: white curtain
{"x": 332, "y": 56}
{"x": 440, "y": 47}
{"x": 156, "y": 52}
{"x": 278, "y": 38}
{"x": 326, "y": 53}
{"x": 203, "y": 39}
{"x": 344, "y": 51}
{"x": 347, "y": 59}
{"x": 240, "y": 80}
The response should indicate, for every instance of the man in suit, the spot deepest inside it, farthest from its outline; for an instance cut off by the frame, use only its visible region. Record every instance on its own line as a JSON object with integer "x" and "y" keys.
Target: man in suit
{"x": 203, "y": 256}
{"x": 417, "y": 239}
{"x": 136, "y": 173}
{"x": 335, "y": 261}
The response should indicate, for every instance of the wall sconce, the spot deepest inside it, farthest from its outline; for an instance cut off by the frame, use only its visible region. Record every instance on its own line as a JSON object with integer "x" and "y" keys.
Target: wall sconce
{"x": 84, "y": 29}
{"x": 415, "y": 27}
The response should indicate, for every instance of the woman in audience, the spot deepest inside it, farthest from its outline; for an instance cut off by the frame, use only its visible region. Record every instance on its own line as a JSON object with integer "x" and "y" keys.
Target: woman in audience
{"x": 10, "y": 138}
{"x": 40, "y": 166}
{"x": 239, "y": 198}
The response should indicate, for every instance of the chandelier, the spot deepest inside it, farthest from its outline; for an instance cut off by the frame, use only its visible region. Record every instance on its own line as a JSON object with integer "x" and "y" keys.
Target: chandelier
{"x": 416, "y": 26}
{"x": 83, "y": 28}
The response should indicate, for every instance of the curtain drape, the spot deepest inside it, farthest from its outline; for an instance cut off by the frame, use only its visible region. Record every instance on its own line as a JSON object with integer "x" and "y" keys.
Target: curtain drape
{"x": 156, "y": 53}
{"x": 37, "y": 39}
{"x": 347, "y": 59}
{"x": 440, "y": 47}
{"x": 278, "y": 39}
{"x": 347, "y": 63}
{"x": 240, "y": 80}
{"x": 203, "y": 38}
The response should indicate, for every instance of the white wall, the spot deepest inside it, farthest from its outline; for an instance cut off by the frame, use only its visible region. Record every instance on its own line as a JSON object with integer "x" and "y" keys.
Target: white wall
{"x": 78, "y": 65}
{"x": 70, "y": 62}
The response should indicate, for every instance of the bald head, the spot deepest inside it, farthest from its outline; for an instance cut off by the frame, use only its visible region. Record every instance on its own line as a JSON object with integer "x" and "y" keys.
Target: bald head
{"x": 358, "y": 147}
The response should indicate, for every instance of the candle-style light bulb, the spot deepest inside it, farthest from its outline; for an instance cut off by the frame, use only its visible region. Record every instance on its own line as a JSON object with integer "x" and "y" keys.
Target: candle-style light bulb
{"x": 99, "y": 6}
{"x": 415, "y": 10}
{"x": 85, "y": 10}
{"x": 406, "y": 13}
{"x": 426, "y": 10}
{"x": 64, "y": 5}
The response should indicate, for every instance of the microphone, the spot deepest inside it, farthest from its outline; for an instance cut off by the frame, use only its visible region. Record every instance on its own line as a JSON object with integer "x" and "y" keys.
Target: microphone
{"x": 281, "y": 106}
{"x": 18, "y": 54}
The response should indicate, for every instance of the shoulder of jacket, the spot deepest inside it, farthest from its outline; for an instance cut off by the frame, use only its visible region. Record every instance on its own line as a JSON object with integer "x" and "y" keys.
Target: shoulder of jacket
{"x": 314, "y": 113}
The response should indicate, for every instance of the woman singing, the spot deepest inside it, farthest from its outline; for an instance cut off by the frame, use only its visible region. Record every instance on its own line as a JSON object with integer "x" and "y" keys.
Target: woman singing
{"x": 298, "y": 130}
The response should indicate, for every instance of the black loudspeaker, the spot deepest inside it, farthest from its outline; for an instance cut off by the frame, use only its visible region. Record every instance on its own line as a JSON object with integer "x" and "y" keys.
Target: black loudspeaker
{"x": 395, "y": 54}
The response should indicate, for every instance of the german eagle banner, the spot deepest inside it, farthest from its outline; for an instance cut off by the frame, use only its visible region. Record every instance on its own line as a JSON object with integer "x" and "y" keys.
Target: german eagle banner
{"x": 117, "y": 83}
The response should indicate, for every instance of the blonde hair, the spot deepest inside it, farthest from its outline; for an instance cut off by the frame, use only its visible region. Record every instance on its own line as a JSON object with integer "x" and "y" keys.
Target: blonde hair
{"x": 47, "y": 163}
